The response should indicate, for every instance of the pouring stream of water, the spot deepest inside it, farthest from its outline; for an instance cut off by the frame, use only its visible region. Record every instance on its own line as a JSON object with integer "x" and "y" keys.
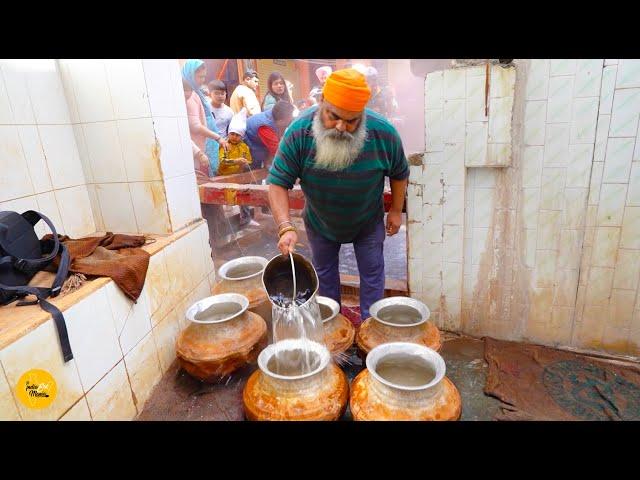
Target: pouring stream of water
{"x": 293, "y": 272}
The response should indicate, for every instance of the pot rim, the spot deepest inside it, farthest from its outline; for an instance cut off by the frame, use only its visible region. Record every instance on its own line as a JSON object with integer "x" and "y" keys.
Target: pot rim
{"x": 332, "y": 304}
{"x": 424, "y": 311}
{"x": 225, "y": 267}
{"x": 207, "y": 302}
{"x": 426, "y": 353}
{"x": 302, "y": 258}
{"x": 291, "y": 344}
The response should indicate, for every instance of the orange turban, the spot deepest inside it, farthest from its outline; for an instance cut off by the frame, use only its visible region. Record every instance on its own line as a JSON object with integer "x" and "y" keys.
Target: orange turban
{"x": 347, "y": 89}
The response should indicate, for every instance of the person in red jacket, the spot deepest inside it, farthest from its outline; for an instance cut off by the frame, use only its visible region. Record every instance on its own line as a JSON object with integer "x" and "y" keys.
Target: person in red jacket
{"x": 264, "y": 131}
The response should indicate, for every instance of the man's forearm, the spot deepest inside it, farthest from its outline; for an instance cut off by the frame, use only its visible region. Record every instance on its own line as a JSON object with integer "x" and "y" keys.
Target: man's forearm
{"x": 279, "y": 202}
{"x": 398, "y": 191}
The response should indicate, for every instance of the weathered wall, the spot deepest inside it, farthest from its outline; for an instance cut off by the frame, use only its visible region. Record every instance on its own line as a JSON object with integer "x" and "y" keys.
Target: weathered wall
{"x": 607, "y": 306}
{"x": 40, "y": 168}
{"x": 103, "y": 145}
{"x": 121, "y": 349}
{"x": 130, "y": 124}
{"x": 548, "y": 249}
{"x": 97, "y": 145}
{"x": 460, "y": 131}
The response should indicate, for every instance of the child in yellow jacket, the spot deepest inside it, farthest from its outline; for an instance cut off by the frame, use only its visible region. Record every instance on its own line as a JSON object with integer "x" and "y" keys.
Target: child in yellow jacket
{"x": 237, "y": 158}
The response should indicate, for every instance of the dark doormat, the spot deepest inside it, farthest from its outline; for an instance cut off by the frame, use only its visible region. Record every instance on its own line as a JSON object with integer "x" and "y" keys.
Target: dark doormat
{"x": 542, "y": 383}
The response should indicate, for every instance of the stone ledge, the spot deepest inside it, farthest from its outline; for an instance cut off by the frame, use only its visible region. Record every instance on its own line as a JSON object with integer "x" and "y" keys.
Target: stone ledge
{"x": 16, "y": 322}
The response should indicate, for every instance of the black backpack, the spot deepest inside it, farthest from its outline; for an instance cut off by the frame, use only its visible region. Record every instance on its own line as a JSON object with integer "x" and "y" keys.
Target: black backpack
{"x": 22, "y": 255}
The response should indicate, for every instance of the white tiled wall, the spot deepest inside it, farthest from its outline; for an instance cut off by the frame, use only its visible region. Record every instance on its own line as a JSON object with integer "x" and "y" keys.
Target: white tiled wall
{"x": 39, "y": 159}
{"x": 112, "y": 131}
{"x": 120, "y": 353}
{"x": 131, "y": 130}
{"x": 183, "y": 199}
{"x": 103, "y": 145}
{"x": 443, "y": 217}
{"x": 116, "y": 206}
{"x": 549, "y": 245}
{"x": 607, "y": 318}
{"x": 487, "y": 132}
{"x": 74, "y": 205}
{"x": 41, "y": 349}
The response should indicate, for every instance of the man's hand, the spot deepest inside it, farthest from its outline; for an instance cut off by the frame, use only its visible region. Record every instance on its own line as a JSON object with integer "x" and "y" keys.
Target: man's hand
{"x": 394, "y": 220}
{"x": 287, "y": 243}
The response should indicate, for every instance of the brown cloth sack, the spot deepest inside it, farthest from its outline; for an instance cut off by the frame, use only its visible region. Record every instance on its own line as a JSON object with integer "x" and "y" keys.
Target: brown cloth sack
{"x": 117, "y": 256}
{"x": 543, "y": 383}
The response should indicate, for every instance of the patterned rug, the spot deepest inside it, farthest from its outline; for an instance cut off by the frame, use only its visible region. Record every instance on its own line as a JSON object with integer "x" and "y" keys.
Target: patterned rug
{"x": 542, "y": 383}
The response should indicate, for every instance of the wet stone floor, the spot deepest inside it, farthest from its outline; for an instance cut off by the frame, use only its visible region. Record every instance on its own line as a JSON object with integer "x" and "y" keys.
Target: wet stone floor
{"x": 178, "y": 396}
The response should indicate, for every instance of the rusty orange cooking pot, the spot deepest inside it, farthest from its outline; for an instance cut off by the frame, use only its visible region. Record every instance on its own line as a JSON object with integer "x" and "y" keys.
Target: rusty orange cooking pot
{"x": 339, "y": 332}
{"x": 222, "y": 337}
{"x": 321, "y": 393}
{"x": 397, "y": 319}
{"x": 404, "y": 381}
{"x": 244, "y": 276}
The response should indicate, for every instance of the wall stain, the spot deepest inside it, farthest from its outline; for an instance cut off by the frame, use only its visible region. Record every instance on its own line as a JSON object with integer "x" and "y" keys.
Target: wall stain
{"x": 620, "y": 347}
{"x": 445, "y": 318}
{"x": 157, "y": 195}
{"x": 500, "y": 297}
{"x": 153, "y": 169}
{"x": 505, "y": 301}
{"x": 490, "y": 307}
{"x": 416, "y": 159}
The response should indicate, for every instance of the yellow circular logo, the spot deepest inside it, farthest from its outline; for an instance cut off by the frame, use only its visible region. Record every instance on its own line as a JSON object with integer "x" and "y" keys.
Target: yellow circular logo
{"x": 36, "y": 389}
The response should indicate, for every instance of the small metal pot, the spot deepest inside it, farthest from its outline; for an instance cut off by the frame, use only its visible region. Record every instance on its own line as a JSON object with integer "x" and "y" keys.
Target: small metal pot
{"x": 280, "y": 266}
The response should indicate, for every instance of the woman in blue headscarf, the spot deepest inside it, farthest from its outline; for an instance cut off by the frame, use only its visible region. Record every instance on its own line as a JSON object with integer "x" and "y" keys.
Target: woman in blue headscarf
{"x": 202, "y": 125}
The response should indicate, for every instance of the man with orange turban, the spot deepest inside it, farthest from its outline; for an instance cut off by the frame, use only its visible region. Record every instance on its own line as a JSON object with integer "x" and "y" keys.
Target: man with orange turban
{"x": 341, "y": 152}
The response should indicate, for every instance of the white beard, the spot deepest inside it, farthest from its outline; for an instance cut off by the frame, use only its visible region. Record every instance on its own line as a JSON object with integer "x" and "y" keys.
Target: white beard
{"x": 337, "y": 150}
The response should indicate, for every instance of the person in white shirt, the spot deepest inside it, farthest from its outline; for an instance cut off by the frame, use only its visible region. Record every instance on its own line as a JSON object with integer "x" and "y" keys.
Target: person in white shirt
{"x": 222, "y": 113}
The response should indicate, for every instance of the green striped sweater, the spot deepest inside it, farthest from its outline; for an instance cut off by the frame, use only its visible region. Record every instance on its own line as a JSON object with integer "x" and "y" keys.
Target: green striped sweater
{"x": 339, "y": 204}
